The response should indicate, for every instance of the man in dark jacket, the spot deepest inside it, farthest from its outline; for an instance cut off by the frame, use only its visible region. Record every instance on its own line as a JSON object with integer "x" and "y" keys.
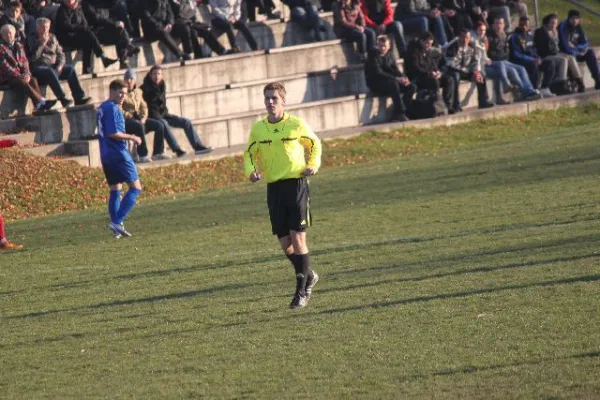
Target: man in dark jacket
{"x": 385, "y": 79}
{"x": 155, "y": 95}
{"x": 73, "y": 31}
{"x": 157, "y": 23}
{"x": 462, "y": 60}
{"x": 574, "y": 42}
{"x": 523, "y": 52}
{"x": 423, "y": 66}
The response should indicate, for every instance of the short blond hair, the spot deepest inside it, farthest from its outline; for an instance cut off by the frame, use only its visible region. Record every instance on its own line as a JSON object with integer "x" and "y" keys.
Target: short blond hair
{"x": 8, "y": 27}
{"x": 278, "y": 86}
{"x": 43, "y": 21}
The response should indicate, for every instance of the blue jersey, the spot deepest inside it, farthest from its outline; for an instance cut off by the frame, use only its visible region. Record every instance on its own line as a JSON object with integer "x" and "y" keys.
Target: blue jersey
{"x": 110, "y": 121}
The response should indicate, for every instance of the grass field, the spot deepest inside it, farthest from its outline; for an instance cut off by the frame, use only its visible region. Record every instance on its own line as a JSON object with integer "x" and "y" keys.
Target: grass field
{"x": 473, "y": 273}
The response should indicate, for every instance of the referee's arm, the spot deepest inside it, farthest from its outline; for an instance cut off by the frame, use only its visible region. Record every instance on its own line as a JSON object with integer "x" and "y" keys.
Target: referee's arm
{"x": 312, "y": 144}
{"x": 251, "y": 155}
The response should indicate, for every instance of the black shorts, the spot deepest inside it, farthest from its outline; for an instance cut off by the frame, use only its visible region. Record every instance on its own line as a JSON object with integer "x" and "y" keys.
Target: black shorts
{"x": 288, "y": 202}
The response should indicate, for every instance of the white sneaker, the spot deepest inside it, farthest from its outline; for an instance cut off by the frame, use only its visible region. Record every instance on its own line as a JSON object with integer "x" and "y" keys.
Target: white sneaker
{"x": 545, "y": 92}
{"x": 116, "y": 233}
{"x": 143, "y": 160}
{"x": 160, "y": 157}
{"x": 119, "y": 228}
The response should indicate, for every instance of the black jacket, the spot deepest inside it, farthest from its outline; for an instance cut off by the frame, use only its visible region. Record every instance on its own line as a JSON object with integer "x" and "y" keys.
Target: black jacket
{"x": 498, "y": 47}
{"x": 379, "y": 69}
{"x": 97, "y": 12}
{"x": 419, "y": 63}
{"x": 544, "y": 44}
{"x": 156, "y": 97}
{"x": 69, "y": 22}
{"x": 155, "y": 14}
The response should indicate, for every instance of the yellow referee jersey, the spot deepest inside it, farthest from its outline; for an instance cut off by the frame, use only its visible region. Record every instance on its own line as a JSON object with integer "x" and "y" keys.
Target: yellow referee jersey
{"x": 277, "y": 151}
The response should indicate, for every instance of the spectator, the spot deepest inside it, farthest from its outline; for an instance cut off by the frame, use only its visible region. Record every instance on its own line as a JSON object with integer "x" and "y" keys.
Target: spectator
{"x": 498, "y": 51}
{"x": 523, "y": 52}
{"x": 14, "y": 69}
{"x": 226, "y": 15}
{"x": 108, "y": 30}
{"x": 73, "y": 32}
{"x": 349, "y": 23}
{"x": 48, "y": 65}
{"x": 385, "y": 79}
{"x": 265, "y": 7}
{"x": 305, "y": 14}
{"x": 422, "y": 65}
{"x": 458, "y": 14}
{"x": 547, "y": 45}
{"x": 501, "y": 8}
{"x": 379, "y": 16}
{"x": 188, "y": 29}
{"x": 157, "y": 22}
{"x": 421, "y": 14}
{"x": 574, "y": 42}
{"x": 14, "y": 16}
{"x": 479, "y": 11}
{"x": 463, "y": 62}
{"x": 6, "y": 244}
{"x": 137, "y": 122}
{"x": 155, "y": 90}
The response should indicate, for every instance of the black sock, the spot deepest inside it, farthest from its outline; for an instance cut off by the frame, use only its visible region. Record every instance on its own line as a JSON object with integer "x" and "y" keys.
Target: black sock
{"x": 292, "y": 258}
{"x": 302, "y": 267}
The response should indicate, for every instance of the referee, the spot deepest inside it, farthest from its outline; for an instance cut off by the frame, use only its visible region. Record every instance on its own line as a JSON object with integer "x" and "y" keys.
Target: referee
{"x": 278, "y": 150}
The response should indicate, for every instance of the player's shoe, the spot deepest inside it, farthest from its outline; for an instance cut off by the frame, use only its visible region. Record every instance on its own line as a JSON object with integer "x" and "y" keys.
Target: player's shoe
{"x": 116, "y": 233}
{"x": 310, "y": 284}
{"x": 298, "y": 301}
{"x": 119, "y": 228}
{"x": 8, "y": 245}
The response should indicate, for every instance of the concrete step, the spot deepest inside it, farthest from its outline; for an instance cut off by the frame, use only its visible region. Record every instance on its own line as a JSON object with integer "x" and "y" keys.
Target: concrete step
{"x": 47, "y": 150}
{"x": 22, "y": 138}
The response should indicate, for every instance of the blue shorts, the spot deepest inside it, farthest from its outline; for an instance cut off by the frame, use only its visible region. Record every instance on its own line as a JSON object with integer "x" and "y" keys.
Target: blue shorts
{"x": 120, "y": 170}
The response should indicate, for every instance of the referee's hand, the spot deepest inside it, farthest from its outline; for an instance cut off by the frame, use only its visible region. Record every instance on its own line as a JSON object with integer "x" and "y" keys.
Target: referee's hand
{"x": 310, "y": 171}
{"x": 255, "y": 177}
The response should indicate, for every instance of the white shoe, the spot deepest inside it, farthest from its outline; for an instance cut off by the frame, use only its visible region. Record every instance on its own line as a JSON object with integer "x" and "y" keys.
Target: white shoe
{"x": 160, "y": 157}
{"x": 119, "y": 228}
{"x": 143, "y": 160}
{"x": 116, "y": 233}
{"x": 545, "y": 92}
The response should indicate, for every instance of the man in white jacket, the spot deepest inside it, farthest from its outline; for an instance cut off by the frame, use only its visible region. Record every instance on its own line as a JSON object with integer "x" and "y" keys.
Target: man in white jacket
{"x": 227, "y": 15}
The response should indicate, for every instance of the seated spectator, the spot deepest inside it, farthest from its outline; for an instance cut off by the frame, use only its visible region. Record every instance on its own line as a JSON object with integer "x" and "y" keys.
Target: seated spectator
{"x": 14, "y": 69}
{"x": 462, "y": 59}
{"x": 6, "y": 244}
{"x": 187, "y": 29}
{"x": 73, "y": 32}
{"x": 137, "y": 122}
{"x": 108, "y": 30}
{"x": 226, "y": 15}
{"x": 420, "y": 16}
{"x": 498, "y": 52}
{"x": 479, "y": 11}
{"x": 265, "y": 7}
{"x": 458, "y": 14}
{"x": 547, "y": 45}
{"x": 349, "y": 24}
{"x": 36, "y": 9}
{"x": 157, "y": 22}
{"x": 523, "y": 52}
{"x": 422, "y": 66}
{"x": 385, "y": 79}
{"x": 379, "y": 16}
{"x": 305, "y": 14}
{"x": 501, "y": 8}
{"x": 48, "y": 65}
{"x": 14, "y": 16}
{"x": 574, "y": 42}
{"x": 155, "y": 90}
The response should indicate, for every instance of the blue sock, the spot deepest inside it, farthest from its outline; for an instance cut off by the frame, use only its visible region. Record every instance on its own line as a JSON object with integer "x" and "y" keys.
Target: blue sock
{"x": 127, "y": 204}
{"x": 114, "y": 204}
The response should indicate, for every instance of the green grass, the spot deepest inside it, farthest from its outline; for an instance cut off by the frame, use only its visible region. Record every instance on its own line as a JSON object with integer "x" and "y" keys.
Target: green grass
{"x": 469, "y": 274}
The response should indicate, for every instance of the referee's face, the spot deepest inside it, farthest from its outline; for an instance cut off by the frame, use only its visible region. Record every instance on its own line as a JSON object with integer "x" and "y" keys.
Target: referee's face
{"x": 274, "y": 103}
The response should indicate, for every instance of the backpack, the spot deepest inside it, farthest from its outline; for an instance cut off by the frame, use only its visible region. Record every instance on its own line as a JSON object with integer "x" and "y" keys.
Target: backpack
{"x": 427, "y": 104}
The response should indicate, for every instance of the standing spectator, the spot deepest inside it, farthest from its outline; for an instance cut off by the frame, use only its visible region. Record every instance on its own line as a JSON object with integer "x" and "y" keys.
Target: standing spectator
{"x": 523, "y": 52}
{"x": 155, "y": 91}
{"x": 157, "y": 22}
{"x": 305, "y": 14}
{"x": 14, "y": 69}
{"x": 6, "y": 244}
{"x": 226, "y": 15}
{"x": 498, "y": 51}
{"x": 462, "y": 60}
{"x": 385, "y": 79}
{"x": 73, "y": 32}
{"x": 422, "y": 65}
{"x": 349, "y": 23}
{"x": 422, "y": 15}
{"x": 48, "y": 65}
{"x": 137, "y": 122}
{"x": 380, "y": 17}
{"x": 574, "y": 42}
{"x": 188, "y": 29}
{"x": 14, "y": 16}
{"x": 547, "y": 45}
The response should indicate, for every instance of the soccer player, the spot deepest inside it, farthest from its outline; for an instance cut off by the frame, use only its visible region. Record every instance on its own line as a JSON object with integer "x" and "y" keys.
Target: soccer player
{"x": 6, "y": 244}
{"x": 277, "y": 152}
{"x": 117, "y": 163}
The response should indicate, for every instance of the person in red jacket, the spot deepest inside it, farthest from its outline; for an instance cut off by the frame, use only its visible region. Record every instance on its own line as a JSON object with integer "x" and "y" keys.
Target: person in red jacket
{"x": 380, "y": 17}
{"x": 6, "y": 244}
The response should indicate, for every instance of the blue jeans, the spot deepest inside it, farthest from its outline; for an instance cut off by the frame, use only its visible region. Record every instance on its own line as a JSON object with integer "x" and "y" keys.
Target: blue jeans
{"x": 396, "y": 29}
{"x": 414, "y": 25}
{"x": 187, "y": 126}
{"x": 517, "y": 74}
{"x": 307, "y": 17}
{"x": 364, "y": 40}
{"x": 49, "y": 76}
{"x": 439, "y": 30}
{"x": 592, "y": 63}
